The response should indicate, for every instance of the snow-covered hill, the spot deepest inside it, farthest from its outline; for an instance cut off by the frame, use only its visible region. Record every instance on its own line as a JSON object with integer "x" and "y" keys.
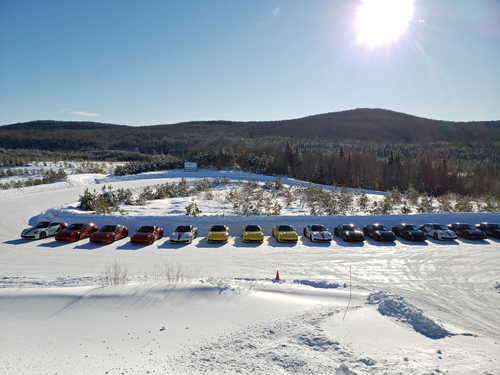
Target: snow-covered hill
{"x": 227, "y": 314}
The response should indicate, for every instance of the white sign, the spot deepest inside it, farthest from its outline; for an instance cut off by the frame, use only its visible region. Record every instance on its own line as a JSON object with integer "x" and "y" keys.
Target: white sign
{"x": 190, "y": 166}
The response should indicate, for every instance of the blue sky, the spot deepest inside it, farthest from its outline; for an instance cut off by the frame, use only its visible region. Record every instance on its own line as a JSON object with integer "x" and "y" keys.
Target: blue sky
{"x": 161, "y": 62}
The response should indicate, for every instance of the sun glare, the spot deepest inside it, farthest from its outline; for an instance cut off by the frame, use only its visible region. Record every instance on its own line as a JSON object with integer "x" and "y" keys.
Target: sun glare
{"x": 381, "y": 22}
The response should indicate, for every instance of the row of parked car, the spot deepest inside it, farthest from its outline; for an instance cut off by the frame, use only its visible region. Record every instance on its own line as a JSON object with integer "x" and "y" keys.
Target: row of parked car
{"x": 148, "y": 234}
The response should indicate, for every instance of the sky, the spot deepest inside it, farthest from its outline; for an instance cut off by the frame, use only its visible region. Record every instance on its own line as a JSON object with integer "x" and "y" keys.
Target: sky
{"x": 162, "y": 62}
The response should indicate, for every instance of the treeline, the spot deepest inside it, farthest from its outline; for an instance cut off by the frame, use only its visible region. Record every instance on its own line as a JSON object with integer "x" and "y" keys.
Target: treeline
{"x": 428, "y": 170}
{"x": 48, "y": 177}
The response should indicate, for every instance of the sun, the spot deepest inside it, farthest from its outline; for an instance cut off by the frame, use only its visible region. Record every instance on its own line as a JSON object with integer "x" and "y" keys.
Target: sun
{"x": 381, "y": 22}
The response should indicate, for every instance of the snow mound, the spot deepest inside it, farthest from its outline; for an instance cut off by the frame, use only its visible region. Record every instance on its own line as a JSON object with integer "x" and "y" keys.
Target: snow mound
{"x": 344, "y": 370}
{"x": 317, "y": 284}
{"x": 397, "y": 307}
{"x": 296, "y": 344}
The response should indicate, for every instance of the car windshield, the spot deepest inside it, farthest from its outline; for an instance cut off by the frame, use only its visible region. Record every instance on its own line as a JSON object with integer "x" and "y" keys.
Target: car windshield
{"x": 318, "y": 228}
{"x": 494, "y": 226}
{"x": 43, "y": 224}
{"x": 438, "y": 227}
{"x": 183, "y": 228}
{"x": 252, "y": 228}
{"x": 218, "y": 228}
{"x": 146, "y": 229}
{"x": 466, "y": 226}
{"x": 108, "y": 228}
{"x": 410, "y": 227}
{"x": 75, "y": 227}
{"x": 380, "y": 227}
{"x": 285, "y": 228}
{"x": 350, "y": 227}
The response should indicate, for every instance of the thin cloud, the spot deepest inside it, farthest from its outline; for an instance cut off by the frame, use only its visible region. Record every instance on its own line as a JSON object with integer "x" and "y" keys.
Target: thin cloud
{"x": 276, "y": 11}
{"x": 83, "y": 113}
{"x": 80, "y": 113}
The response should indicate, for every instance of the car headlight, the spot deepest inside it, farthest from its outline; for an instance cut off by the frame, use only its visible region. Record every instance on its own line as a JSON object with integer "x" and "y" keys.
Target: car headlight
{"x": 37, "y": 231}
{"x": 226, "y": 234}
{"x": 245, "y": 234}
{"x": 188, "y": 236}
{"x": 107, "y": 235}
{"x": 149, "y": 236}
{"x": 261, "y": 234}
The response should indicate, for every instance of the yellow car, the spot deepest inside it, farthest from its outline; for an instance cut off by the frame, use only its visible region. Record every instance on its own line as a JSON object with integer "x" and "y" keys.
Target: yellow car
{"x": 218, "y": 233}
{"x": 252, "y": 233}
{"x": 285, "y": 233}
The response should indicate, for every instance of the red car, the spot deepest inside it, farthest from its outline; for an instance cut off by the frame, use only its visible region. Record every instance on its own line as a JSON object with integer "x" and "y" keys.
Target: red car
{"x": 147, "y": 234}
{"x": 109, "y": 233}
{"x": 77, "y": 231}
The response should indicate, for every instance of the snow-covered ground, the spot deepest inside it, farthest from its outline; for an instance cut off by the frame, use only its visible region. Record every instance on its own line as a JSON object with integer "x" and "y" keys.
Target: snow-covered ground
{"x": 339, "y": 308}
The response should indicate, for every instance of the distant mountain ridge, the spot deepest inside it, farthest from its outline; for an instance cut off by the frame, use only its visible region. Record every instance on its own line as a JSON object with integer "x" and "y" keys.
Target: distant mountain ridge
{"x": 377, "y": 125}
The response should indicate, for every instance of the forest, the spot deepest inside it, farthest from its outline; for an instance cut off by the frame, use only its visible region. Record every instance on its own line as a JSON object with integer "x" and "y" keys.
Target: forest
{"x": 371, "y": 149}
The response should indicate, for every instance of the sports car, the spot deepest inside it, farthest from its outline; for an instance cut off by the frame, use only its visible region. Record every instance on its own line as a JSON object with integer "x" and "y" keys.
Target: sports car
{"x": 147, "y": 234}
{"x": 184, "y": 234}
{"x": 109, "y": 233}
{"x": 467, "y": 231}
{"x": 379, "y": 232}
{"x": 409, "y": 232}
{"x": 76, "y": 232}
{"x": 218, "y": 233}
{"x": 492, "y": 230}
{"x": 317, "y": 233}
{"x": 349, "y": 232}
{"x": 43, "y": 229}
{"x": 285, "y": 233}
{"x": 252, "y": 233}
{"x": 438, "y": 231}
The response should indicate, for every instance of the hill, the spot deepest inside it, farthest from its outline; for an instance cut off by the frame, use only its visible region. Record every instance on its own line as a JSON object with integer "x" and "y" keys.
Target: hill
{"x": 374, "y": 125}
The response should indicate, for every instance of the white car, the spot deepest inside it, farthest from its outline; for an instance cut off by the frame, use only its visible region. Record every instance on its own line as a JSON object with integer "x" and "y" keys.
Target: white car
{"x": 438, "y": 231}
{"x": 184, "y": 234}
{"x": 317, "y": 233}
{"x": 43, "y": 229}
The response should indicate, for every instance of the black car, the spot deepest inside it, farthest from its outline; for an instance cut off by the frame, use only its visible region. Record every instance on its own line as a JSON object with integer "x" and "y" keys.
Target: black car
{"x": 467, "y": 231}
{"x": 492, "y": 230}
{"x": 379, "y": 232}
{"x": 349, "y": 232}
{"x": 409, "y": 232}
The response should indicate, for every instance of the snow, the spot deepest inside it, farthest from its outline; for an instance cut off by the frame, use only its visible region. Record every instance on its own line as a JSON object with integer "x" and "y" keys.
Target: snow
{"x": 338, "y": 308}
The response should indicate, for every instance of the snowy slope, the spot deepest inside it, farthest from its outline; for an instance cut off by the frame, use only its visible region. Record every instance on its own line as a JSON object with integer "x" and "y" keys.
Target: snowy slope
{"x": 228, "y": 315}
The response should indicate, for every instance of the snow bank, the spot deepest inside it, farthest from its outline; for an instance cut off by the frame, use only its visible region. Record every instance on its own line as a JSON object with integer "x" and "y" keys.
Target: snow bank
{"x": 318, "y": 284}
{"x": 403, "y": 311}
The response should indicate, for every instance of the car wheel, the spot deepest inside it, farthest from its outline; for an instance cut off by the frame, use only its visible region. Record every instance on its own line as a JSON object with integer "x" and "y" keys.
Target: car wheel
{"x": 126, "y": 233}
{"x": 43, "y": 235}
{"x": 153, "y": 240}
{"x": 344, "y": 237}
{"x": 112, "y": 239}
{"x": 305, "y": 232}
{"x": 77, "y": 238}
{"x": 407, "y": 237}
{"x": 376, "y": 237}
{"x": 466, "y": 235}
{"x": 436, "y": 236}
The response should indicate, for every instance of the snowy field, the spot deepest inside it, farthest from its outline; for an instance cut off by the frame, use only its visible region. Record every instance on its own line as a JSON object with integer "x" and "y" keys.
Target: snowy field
{"x": 339, "y": 308}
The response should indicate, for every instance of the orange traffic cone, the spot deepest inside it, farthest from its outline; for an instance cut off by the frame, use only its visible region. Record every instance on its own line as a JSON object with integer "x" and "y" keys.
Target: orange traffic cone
{"x": 277, "y": 276}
